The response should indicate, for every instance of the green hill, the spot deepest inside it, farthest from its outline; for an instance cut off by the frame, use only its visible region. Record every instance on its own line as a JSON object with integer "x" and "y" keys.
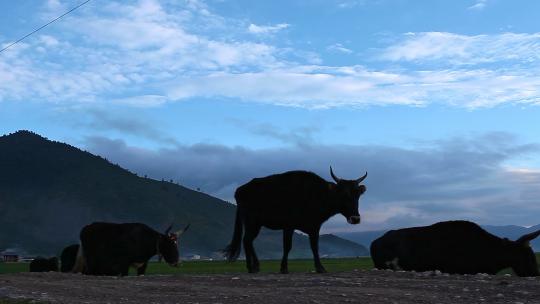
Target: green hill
{"x": 50, "y": 190}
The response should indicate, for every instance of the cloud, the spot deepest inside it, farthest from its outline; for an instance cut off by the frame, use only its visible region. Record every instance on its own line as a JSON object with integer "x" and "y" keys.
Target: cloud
{"x": 338, "y": 47}
{"x": 124, "y": 47}
{"x": 53, "y": 9}
{"x": 466, "y": 50}
{"x": 319, "y": 87}
{"x": 147, "y": 53}
{"x": 479, "y": 5}
{"x": 102, "y": 120}
{"x": 300, "y": 136}
{"x": 268, "y": 29}
{"x": 464, "y": 178}
{"x": 344, "y": 4}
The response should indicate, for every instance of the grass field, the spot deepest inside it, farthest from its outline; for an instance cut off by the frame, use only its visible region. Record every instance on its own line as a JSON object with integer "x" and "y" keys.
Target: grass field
{"x": 202, "y": 267}
{"x": 209, "y": 267}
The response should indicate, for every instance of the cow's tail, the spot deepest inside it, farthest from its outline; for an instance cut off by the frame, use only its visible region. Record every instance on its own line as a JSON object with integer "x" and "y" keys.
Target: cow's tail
{"x": 232, "y": 251}
{"x": 80, "y": 262}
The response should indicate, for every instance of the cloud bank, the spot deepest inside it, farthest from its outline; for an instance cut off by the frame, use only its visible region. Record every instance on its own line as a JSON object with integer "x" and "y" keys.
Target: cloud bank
{"x": 459, "y": 178}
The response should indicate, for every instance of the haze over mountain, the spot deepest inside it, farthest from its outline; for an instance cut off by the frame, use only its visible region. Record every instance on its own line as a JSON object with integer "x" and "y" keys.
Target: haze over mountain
{"x": 50, "y": 190}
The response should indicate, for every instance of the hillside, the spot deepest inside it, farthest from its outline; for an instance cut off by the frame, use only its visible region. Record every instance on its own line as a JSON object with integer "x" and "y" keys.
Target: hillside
{"x": 50, "y": 190}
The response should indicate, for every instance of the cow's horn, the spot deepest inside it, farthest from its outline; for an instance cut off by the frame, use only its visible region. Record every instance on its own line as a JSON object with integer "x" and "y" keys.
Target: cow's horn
{"x": 528, "y": 237}
{"x": 336, "y": 179}
{"x": 168, "y": 229}
{"x": 180, "y": 232}
{"x": 361, "y": 178}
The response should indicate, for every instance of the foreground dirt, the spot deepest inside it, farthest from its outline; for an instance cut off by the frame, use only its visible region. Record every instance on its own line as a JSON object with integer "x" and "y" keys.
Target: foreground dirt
{"x": 346, "y": 287}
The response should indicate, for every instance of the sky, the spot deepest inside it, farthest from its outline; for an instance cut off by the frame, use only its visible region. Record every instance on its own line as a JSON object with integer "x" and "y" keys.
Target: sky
{"x": 437, "y": 100}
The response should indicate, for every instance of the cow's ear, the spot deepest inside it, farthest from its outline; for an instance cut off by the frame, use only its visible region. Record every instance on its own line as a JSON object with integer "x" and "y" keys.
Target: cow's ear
{"x": 362, "y": 189}
{"x": 524, "y": 240}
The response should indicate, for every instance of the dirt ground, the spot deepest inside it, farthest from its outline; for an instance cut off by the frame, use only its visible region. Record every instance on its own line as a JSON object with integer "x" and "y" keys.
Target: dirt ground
{"x": 346, "y": 287}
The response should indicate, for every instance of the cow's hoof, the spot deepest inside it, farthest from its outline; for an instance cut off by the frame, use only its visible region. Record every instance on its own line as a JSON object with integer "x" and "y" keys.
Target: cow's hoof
{"x": 284, "y": 271}
{"x": 321, "y": 270}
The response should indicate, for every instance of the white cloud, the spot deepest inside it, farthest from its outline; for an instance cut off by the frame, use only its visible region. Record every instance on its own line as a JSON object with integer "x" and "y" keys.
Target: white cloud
{"x": 338, "y": 47}
{"x": 268, "y": 29}
{"x": 124, "y": 45}
{"x": 145, "y": 54}
{"x": 479, "y": 5}
{"x": 53, "y": 9}
{"x": 462, "y": 49}
{"x": 330, "y": 87}
{"x": 350, "y": 3}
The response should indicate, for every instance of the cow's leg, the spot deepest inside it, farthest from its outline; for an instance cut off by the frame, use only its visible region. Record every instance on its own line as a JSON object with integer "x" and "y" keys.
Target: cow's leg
{"x": 141, "y": 270}
{"x": 314, "y": 241}
{"x": 91, "y": 267}
{"x": 251, "y": 257}
{"x": 287, "y": 245}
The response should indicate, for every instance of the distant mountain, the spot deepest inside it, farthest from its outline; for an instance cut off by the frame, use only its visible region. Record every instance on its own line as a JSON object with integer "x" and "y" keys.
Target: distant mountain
{"x": 511, "y": 232}
{"x": 50, "y": 190}
{"x": 330, "y": 246}
{"x": 364, "y": 237}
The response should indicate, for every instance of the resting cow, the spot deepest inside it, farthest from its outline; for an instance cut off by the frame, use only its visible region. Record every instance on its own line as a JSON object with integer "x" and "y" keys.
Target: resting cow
{"x": 458, "y": 247}
{"x": 41, "y": 264}
{"x": 288, "y": 201}
{"x": 111, "y": 249}
{"x": 68, "y": 257}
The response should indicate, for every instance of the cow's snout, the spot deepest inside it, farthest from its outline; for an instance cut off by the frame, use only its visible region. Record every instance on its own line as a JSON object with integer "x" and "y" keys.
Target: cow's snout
{"x": 354, "y": 219}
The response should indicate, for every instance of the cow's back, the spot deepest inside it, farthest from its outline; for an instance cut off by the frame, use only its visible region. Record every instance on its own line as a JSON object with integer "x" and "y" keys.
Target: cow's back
{"x": 454, "y": 247}
{"x": 106, "y": 245}
{"x": 284, "y": 198}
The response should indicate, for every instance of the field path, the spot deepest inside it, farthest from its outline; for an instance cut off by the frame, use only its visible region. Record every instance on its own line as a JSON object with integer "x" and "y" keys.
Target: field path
{"x": 345, "y": 287}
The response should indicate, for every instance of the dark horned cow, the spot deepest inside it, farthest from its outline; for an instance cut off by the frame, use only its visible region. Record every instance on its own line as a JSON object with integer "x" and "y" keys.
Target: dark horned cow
{"x": 292, "y": 200}
{"x": 68, "y": 258}
{"x": 110, "y": 249}
{"x": 458, "y": 247}
{"x": 41, "y": 264}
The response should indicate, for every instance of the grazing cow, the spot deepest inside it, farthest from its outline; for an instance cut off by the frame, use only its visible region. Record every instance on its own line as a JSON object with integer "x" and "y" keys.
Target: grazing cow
{"x": 41, "y": 264}
{"x": 110, "y": 249}
{"x": 68, "y": 258}
{"x": 292, "y": 200}
{"x": 458, "y": 247}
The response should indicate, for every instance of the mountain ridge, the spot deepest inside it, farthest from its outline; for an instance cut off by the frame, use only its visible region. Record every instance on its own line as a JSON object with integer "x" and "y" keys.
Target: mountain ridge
{"x": 49, "y": 190}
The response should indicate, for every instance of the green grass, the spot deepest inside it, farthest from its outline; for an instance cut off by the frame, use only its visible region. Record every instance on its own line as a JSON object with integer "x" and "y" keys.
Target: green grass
{"x": 220, "y": 267}
{"x": 201, "y": 267}
{"x": 13, "y": 267}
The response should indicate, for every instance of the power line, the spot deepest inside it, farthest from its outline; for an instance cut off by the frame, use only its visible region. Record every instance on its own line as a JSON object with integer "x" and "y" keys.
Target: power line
{"x": 43, "y": 26}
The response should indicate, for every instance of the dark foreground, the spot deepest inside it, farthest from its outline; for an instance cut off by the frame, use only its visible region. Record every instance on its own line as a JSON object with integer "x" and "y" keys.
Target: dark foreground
{"x": 344, "y": 287}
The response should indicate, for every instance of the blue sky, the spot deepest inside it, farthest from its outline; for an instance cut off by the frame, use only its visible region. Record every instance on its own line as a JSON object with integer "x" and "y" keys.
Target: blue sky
{"x": 438, "y": 100}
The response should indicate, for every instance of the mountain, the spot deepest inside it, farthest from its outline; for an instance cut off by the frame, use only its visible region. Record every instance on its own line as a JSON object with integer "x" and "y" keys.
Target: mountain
{"x": 362, "y": 237}
{"x": 50, "y": 190}
{"x": 511, "y": 232}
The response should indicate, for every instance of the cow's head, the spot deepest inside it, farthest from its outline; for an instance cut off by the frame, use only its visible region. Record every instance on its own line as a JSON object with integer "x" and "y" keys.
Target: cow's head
{"x": 168, "y": 245}
{"x": 523, "y": 258}
{"x": 347, "y": 194}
